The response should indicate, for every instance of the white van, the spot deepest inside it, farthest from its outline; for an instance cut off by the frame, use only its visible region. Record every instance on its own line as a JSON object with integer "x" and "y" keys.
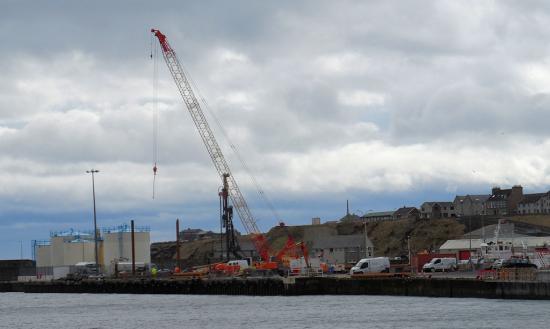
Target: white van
{"x": 440, "y": 264}
{"x": 371, "y": 265}
{"x": 242, "y": 263}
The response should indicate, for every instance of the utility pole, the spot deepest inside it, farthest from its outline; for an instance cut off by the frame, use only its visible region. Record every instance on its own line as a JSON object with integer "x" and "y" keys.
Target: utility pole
{"x": 470, "y": 234}
{"x": 178, "y": 259}
{"x": 409, "y": 248}
{"x": 93, "y": 171}
{"x": 133, "y": 249}
{"x": 482, "y": 215}
{"x": 366, "y": 241}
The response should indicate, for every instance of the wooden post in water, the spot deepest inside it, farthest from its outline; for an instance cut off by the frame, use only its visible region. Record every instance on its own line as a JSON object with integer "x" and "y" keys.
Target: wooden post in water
{"x": 133, "y": 250}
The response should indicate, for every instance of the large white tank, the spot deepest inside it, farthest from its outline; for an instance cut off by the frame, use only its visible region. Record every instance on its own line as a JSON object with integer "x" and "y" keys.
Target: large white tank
{"x": 77, "y": 251}
{"x": 71, "y": 247}
{"x": 43, "y": 255}
{"x": 117, "y": 245}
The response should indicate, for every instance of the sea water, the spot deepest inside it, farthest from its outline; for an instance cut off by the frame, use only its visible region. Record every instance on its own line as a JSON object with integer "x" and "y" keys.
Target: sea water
{"x": 56, "y": 311}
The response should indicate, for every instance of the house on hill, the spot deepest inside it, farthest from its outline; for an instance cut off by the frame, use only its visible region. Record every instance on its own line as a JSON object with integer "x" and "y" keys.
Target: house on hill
{"x": 470, "y": 205}
{"x": 504, "y": 201}
{"x": 377, "y": 216}
{"x": 437, "y": 210}
{"x": 406, "y": 213}
{"x": 534, "y": 203}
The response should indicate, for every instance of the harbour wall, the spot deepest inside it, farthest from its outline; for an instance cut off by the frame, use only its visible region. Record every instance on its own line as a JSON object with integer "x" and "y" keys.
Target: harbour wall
{"x": 295, "y": 287}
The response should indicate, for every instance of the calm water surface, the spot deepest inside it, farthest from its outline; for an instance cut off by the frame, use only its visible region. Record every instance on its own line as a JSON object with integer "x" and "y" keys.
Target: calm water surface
{"x": 18, "y": 310}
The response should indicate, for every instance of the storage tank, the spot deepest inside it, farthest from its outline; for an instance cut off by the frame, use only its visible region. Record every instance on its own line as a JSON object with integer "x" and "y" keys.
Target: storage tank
{"x": 43, "y": 254}
{"x": 78, "y": 250}
{"x": 70, "y": 247}
{"x": 117, "y": 244}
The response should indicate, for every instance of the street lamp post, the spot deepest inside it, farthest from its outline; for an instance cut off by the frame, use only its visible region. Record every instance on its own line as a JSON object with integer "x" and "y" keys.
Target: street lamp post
{"x": 366, "y": 241}
{"x": 470, "y": 234}
{"x": 362, "y": 214}
{"x": 93, "y": 171}
{"x": 482, "y": 214}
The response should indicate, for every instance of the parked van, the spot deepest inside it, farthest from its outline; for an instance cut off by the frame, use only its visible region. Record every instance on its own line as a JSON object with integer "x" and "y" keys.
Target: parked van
{"x": 371, "y": 265}
{"x": 232, "y": 266}
{"x": 241, "y": 263}
{"x": 238, "y": 265}
{"x": 440, "y": 264}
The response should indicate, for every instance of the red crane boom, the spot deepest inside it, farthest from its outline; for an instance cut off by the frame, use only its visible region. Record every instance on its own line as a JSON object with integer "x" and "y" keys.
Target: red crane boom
{"x": 214, "y": 150}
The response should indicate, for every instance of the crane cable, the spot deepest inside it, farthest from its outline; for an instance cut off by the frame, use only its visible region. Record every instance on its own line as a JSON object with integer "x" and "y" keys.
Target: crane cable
{"x": 260, "y": 191}
{"x": 154, "y": 57}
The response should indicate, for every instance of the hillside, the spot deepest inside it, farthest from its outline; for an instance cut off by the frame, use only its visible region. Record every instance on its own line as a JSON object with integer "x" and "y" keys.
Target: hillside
{"x": 389, "y": 239}
{"x": 539, "y": 220}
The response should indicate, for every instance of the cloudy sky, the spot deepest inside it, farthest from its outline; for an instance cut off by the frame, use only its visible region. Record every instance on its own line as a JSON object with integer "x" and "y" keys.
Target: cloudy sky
{"x": 382, "y": 103}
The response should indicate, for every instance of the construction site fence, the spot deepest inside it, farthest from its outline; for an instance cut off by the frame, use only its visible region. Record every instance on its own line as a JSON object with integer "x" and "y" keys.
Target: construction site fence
{"x": 306, "y": 272}
{"x": 509, "y": 274}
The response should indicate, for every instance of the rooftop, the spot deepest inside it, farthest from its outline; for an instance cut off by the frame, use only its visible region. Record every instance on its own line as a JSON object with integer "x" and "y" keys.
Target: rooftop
{"x": 441, "y": 203}
{"x": 464, "y": 244}
{"x": 378, "y": 214}
{"x": 473, "y": 197}
{"x": 531, "y": 198}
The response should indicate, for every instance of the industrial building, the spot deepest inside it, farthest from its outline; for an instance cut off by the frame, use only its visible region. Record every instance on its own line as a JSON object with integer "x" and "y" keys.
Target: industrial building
{"x": 58, "y": 256}
{"x": 464, "y": 247}
{"x": 502, "y": 236}
{"x": 13, "y": 269}
{"x": 342, "y": 249}
{"x": 117, "y": 245}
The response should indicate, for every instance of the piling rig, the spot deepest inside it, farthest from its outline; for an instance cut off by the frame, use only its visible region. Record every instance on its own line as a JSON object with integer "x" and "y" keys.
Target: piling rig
{"x": 214, "y": 150}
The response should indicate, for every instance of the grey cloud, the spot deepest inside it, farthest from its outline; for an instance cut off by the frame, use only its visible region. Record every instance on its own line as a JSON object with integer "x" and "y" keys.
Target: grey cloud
{"x": 457, "y": 85}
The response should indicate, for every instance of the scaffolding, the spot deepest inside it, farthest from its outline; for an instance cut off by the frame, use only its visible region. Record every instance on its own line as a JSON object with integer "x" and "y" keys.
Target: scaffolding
{"x": 78, "y": 234}
{"x": 125, "y": 228}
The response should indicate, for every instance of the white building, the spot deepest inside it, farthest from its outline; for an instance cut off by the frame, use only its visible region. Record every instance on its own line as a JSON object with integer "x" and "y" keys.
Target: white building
{"x": 519, "y": 244}
{"x": 535, "y": 203}
{"x": 65, "y": 249}
{"x": 117, "y": 245}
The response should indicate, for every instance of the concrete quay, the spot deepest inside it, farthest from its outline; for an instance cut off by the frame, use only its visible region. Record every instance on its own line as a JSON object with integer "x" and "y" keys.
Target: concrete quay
{"x": 295, "y": 287}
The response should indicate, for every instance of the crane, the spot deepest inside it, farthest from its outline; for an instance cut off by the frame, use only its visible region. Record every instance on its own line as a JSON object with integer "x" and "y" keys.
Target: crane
{"x": 212, "y": 146}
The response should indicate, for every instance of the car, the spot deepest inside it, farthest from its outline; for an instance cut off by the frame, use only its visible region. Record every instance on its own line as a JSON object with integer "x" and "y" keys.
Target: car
{"x": 518, "y": 263}
{"x": 497, "y": 264}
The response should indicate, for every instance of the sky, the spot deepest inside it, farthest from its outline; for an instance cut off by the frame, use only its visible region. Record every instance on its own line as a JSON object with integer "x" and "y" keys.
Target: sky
{"x": 381, "y": 103}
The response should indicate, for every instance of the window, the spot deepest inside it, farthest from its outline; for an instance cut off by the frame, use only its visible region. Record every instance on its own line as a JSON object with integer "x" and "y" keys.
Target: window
{"x": 331, "y": 250}
{"x": 365, "y": 265}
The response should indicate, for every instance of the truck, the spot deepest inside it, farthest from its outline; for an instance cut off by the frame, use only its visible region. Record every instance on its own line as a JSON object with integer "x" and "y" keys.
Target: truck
{"x": 440, "y": 264}
{"x": 371, "y": 265}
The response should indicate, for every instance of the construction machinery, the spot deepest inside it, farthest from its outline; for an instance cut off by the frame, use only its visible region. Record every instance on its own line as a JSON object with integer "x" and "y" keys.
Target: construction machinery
{"x": 226, "y": 219}
{"x": 215, "y": 152}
